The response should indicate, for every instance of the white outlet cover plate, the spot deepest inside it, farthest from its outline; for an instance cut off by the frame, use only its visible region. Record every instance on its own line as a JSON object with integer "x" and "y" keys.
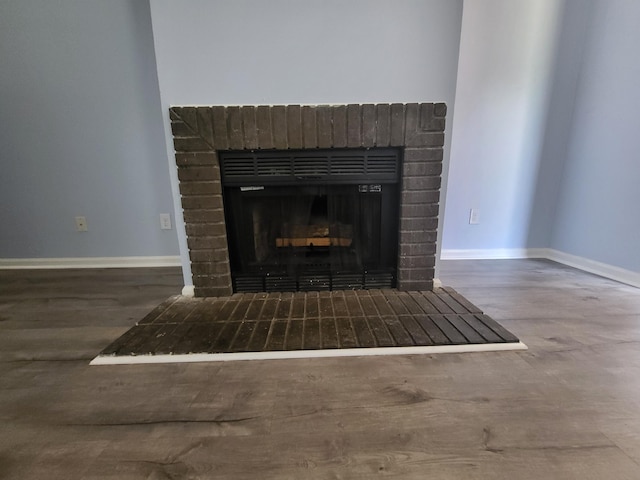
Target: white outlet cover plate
{"x": 165, "y": 221}
{"x": 474, "y": 216}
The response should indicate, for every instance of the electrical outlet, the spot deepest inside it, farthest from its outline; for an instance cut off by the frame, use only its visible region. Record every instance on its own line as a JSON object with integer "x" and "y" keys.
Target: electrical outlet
{"x": 474, "y": 216}
{"x": 165, "y": 221}
{"x": 81, "y": 224}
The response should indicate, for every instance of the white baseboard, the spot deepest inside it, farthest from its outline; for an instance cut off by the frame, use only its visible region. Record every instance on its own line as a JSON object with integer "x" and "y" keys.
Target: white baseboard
{"x": 88, "y": 262}
{"x": 188, "y": 291}
{"x": 603, "y": 269}
{"x": 493, "y": 253}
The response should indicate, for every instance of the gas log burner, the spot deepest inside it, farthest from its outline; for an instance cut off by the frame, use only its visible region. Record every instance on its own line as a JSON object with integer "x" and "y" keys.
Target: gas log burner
{"x": 301, "y": 198}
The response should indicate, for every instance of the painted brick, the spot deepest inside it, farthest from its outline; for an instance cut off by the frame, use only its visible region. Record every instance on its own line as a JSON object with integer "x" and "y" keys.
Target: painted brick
{"x": 223, "y": 291}
{"x": 440, "y": 109}
{"x": 417, "y": 237}
{"x": 419, "y": 120}
{"x": 339, "y": 126}
{"x": 423, "y": 154}
{"x": 180, "y": 129}
{"x": 205, "y": 124}
{"x": 421, "y": 183}
{"x": 368, "y": 125}
{"x": 188, "y": 116}
{"x": 294, "y": 126}
{"x": 205, "y": 229}
{"x": 263, "y": 118}
{"x": 418, "y": 224}
{"x": 415, "y": 285}
{"x": 419, "y": 211}
{"x": 190, "y": 144}
{"x": 210, "y": 268}
{"x": 201, "y": 202}
{"x": 309, "y": 132}
{"x": 411, "y": 119}
{"x": 417, "y": 261}
{"x": 428, "y": 139}
{"x": 204, "y": 216}
{"x": 220, "y": 134}
{"x": 212, "y": 280}
{"x": 435, "y": 125}
{"x": 383, "y": 125}
{"x": 200, "y": 188}
{"x": 325, "y": 127}
{"x": 209, "y": 255}
{"x": 426, "y": 118}
{"x": 198, "y": 173}
{"x": 354, "y": 126}
{"x": 397, "y": 125}
{"x": 190, "y": 159}
{"x": 234, "y": 128}
{"x": 249, "y": 127}
{"x": 200, "y": 243}
{"x": 279, "y": 127}
{"x": 415, "y": 274}
{"x": 422, "y": 197}
{"x": 421, "y": 248}
{"x": 413, "y": 169}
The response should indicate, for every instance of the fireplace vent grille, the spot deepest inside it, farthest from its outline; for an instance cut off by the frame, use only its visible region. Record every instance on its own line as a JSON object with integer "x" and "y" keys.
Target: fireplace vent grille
{"x": 259, "y": 167}
{"x": 311, "y": 282}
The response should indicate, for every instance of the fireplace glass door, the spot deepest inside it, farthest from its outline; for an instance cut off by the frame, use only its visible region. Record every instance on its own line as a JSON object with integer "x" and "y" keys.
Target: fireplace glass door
{"x": 312, "y": 235}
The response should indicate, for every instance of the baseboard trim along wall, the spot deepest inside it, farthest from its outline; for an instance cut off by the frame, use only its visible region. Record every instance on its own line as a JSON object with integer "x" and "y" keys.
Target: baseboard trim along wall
{"x": 493, "y": 253}
{"x": 188, "y": 291}
{"x": 603, "y": 269}
{"x": 89, "y": 262}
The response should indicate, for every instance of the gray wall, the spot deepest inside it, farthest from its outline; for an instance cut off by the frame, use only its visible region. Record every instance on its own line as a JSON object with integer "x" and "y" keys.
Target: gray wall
{"x": 504, "y": 84}
{"x": 569, "y": 57}
{"x": 597, "y": 214}
{"x": 545, "y": 138}
{"x": 81, "y": 131}
{"x": 81, "y": 116}
{"x": 299, "y": 52}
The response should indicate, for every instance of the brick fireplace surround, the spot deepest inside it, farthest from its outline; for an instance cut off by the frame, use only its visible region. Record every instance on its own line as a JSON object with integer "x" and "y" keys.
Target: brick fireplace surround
{"x": 200, "y": 132}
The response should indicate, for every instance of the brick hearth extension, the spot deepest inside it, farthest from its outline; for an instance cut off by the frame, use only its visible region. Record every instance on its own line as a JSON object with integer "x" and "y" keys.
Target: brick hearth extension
{"x": 200, "y": 132}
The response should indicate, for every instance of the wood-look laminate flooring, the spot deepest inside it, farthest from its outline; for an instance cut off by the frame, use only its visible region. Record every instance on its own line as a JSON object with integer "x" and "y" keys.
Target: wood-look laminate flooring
{"x": 567, "y": 408}
{"x": 263, "y": 322}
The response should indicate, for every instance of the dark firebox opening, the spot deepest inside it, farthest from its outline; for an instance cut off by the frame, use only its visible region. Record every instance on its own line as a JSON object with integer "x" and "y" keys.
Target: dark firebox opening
{"x": 320, "y": 220}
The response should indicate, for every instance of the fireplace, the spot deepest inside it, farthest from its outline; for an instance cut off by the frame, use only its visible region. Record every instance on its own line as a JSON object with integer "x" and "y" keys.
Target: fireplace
{"x": 283, "y": 198}
{"x": 307, "y": 220}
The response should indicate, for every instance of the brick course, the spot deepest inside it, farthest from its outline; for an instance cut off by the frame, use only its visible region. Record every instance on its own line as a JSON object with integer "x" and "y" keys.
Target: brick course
{"x": 200, "y": 132}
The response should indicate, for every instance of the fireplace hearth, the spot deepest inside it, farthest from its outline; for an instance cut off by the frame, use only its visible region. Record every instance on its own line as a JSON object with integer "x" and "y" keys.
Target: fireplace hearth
{"x": 282, "y": 198}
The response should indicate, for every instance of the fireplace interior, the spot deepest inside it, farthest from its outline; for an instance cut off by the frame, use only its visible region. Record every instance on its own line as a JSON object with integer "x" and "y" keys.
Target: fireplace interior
{"x": 300, "y": 220}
